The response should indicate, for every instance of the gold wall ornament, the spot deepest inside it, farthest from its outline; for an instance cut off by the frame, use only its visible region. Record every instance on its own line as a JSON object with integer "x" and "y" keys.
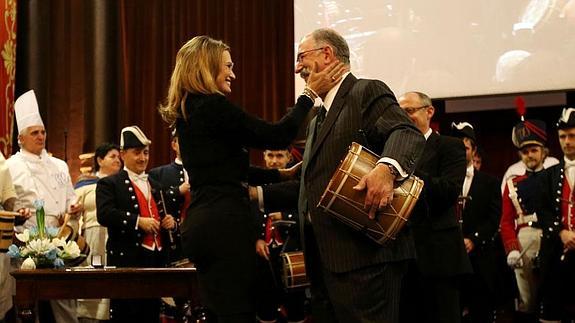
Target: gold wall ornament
{"x": 7, "y": 74}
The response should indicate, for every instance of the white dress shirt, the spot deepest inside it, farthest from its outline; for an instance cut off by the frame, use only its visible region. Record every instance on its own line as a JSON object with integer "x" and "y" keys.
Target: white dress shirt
{"x": 468, "y": 179}
{"x": 141, "y": 181}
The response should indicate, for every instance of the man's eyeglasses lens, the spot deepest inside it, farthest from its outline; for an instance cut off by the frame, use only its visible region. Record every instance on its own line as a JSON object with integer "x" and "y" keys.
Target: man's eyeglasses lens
{"x": 414, "y": 110}
{"x": 301, "y": 55}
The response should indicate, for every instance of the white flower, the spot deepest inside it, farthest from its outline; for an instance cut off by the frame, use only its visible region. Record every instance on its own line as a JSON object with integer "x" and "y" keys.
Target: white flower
{"x": 72, "y": 249}
{"x": 57, "y": 242}
{"x": 44, "y": 251}
{"x": 28, "y": 264}
{"x": 38, "y": 204}
{"x": 24, "y": 236}
{"x": 40, "y": 246}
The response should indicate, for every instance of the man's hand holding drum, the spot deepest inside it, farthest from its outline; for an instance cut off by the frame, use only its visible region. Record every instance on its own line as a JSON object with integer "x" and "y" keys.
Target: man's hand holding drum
{"x": 379, "y": 184}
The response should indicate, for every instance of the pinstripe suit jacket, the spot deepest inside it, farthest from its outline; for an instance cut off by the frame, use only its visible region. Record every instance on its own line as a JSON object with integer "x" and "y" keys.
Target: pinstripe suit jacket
{"x": 365, "y": 111}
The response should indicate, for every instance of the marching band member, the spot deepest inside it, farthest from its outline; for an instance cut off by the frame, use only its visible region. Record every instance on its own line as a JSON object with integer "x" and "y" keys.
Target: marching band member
{"x": 481, "y": 208}
{"x": 556, "y": 215}
{"x": 137, "y": 229}
{"x": 520, "y": 228}
{"x": 274, "y": 240}
{"x": 175, "y": 182}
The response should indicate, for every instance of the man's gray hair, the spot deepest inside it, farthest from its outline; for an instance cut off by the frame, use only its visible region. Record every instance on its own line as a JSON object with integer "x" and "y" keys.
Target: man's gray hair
{"x": 423, "y": 98}
{"x": 327, "y": 36}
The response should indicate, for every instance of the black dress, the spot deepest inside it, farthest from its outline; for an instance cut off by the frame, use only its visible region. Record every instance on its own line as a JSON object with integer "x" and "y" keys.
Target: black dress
{"x": 219, "y": 234}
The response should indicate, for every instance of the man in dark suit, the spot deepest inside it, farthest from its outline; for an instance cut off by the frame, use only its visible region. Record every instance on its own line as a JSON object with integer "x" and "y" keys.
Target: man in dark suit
{"x": 353, "y": 279}
{"x": 175, "y": 182}
{"x": 431, "y": 285}
{"x": 481, "y": 205}
{"x": 127, "y": 206}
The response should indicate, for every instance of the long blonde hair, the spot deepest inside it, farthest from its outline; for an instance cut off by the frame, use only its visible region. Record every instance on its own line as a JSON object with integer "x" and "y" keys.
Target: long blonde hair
{"x": 198, "y": 64}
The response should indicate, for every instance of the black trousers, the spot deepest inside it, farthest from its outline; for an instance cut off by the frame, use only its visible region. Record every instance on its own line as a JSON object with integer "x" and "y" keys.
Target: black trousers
{"x": 433, "y": 299}
{"x": 139, "y": 310}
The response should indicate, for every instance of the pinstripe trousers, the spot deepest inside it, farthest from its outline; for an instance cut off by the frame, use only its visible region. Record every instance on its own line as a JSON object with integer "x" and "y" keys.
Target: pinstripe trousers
{"x": 366, "y": 295}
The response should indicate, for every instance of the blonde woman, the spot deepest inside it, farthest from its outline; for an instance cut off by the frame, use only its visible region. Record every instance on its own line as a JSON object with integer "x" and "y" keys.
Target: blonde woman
{"x": 218, "y": 234}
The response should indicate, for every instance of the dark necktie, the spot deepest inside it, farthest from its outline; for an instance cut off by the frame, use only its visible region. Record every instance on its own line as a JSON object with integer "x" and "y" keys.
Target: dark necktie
{"x": 319, "y": 120}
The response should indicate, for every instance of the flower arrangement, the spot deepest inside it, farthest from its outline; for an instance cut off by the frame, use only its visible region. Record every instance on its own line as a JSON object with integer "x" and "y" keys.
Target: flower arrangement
{"x": 42, "y": 246}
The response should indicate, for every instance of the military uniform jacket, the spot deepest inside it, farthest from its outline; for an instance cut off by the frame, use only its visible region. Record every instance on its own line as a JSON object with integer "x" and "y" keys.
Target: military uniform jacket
{"x": 481, "y": 224}
{"x": 170, "y": 177}
{"x": 118, "y": 210}
{"x": 482, "y": 210}
{"x": 526, "y": 189}
{"x": 549, "y": 209}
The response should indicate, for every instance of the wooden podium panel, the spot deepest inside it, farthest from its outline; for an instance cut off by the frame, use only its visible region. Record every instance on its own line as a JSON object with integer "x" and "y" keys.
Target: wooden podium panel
{"x": 73, "y": 283}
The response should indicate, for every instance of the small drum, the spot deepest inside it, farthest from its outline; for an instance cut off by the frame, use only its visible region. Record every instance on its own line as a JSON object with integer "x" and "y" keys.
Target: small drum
{"x": 294, "y": 275}
{"x": 6, "y": 229}
{"x": 69, "y": 234}
{"x": 347, "y": 205}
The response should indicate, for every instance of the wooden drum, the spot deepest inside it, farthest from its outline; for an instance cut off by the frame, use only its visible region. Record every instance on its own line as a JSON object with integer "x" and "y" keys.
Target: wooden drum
{"x": 6, "y": 229}
{"x": 294, "y": 274}
{"x": 347, "y": 204}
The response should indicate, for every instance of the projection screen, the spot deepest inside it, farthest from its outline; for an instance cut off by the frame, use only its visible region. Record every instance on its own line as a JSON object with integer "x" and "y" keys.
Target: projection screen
{"x": 452, "y": 48}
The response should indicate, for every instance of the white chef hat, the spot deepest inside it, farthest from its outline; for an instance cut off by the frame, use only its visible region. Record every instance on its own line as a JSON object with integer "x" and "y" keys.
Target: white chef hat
{"x": 27, "y": 112}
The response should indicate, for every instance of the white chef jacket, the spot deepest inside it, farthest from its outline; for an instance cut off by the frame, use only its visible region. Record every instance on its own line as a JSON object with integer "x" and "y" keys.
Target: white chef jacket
{"x": 41, "y": 177}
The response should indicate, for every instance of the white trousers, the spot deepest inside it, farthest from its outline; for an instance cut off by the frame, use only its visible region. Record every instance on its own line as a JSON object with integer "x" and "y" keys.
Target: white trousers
{"x": 530, "y": 239}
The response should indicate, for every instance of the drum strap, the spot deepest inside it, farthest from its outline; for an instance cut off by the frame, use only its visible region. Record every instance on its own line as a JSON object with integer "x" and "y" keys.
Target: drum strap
{"x": 515, "y": 199}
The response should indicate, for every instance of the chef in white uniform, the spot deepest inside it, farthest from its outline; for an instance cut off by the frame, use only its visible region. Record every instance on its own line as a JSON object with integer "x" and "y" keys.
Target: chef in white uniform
{"x": 39, "y": 176}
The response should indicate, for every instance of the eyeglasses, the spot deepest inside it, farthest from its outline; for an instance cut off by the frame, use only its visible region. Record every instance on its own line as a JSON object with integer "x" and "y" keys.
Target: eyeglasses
{"x": 410, "y": 110}
{"x": 300, "y": 55}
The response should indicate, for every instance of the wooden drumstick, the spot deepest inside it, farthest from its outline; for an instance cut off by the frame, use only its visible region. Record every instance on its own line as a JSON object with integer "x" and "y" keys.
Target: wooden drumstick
{"x": 9, "y": 213}
{"x": 172, "y": 245}
{"x": 526, "y": 247}
{"x": 272, "y": 271}
{"x": 66, "y": 219}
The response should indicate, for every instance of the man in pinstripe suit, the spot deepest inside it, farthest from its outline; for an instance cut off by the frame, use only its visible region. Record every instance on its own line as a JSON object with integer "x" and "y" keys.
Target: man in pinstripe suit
{"x": 353, "y": 279}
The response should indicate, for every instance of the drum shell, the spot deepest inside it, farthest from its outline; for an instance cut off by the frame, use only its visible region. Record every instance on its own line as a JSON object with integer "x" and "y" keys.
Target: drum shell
{"x": 6, "y": 230}
{"x": 294, "y": 273}
{"x": 347, "y": 204}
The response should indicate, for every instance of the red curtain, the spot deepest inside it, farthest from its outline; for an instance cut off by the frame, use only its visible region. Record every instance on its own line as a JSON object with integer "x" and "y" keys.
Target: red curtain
{"x": 7, "y": 73}
{"x": 99, "y": 65}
